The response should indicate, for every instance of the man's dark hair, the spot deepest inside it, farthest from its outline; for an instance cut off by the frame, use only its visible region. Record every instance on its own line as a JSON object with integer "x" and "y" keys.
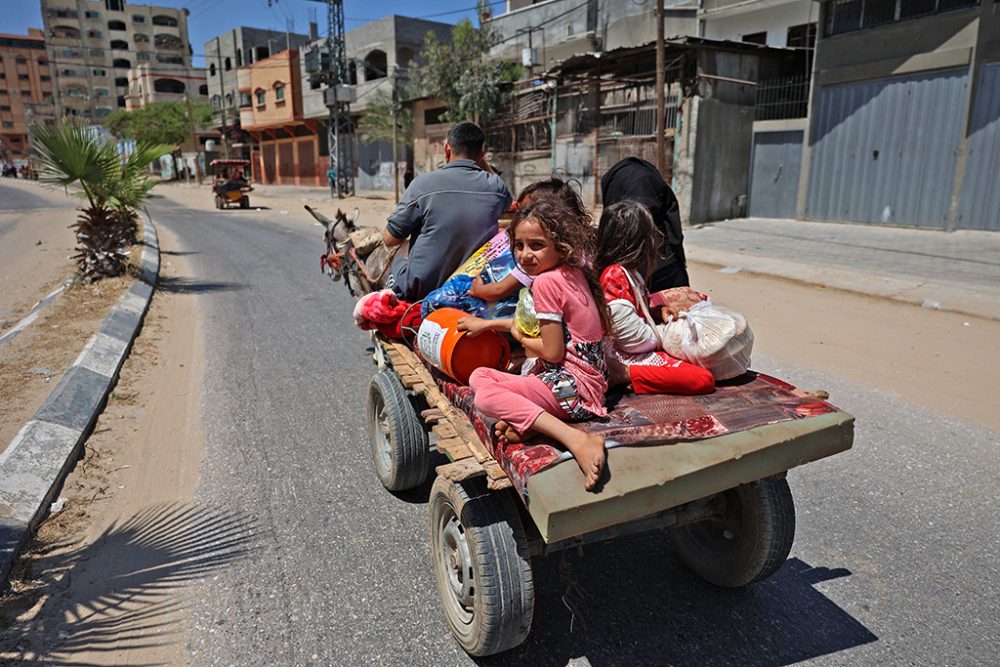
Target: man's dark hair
{"x": 466, "y": 140}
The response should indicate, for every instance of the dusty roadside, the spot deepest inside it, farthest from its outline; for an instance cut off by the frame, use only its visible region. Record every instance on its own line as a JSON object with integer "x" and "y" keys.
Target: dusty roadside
{"x": 103, "y": 582}
{"x": 937, "y": 359}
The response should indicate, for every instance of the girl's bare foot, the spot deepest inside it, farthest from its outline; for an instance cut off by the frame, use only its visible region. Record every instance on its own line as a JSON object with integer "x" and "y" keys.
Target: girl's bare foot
{"x": 591, "y": 456}
{"x": 504, "y": 431}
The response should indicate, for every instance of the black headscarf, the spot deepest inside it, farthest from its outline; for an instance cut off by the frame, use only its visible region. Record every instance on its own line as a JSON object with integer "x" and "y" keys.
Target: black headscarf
{"x": 636, "y": 179}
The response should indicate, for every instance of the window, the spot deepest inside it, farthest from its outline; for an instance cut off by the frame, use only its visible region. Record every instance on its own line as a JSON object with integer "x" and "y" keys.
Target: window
{"x": 121, "y": 63}
{"x": 114, "y": 5}
{"x": 216, "y": 102}
{"x": 239, "y": 57}
{"x": 229, "y": 64}
{"x": 21, "y": 60}
{"x": 375, "y": 65}
{"x": 801, "y": 36}
{"x": 4, "y": 107}
{"x": 164, "y": 20}
{"x": 45, "y": 77}
{"x": 279, "y": 92}
{"x": 116, "y": 25}
{"x": 229, "y": 100}
{"x": 102, "y": 92}
{"x": 90, "y": 14}
{"x": 848, "y": 15}
{"x": 260, "y": 52}
{"x": 94, "y": 34}
{"x": 23, "y": 77}
{"x": 25, "y": 93}
{"x": 119, "y": 44}
{"x": 141, "y": 38}
{"x": 97, "y": 53}
{"x": 121, "y": 101}
{"x": 170, "y": 60}
{"x": 261, "y": 97}
{"x": 171, "y": 42}
{"x": 8, "y": 123}
{"x": 42, "y": 62}
{"x": 143, "y": 56}
{"x": 63, "y": 14}
{"x": 203, "y": 90}
{"x": 99, "y": 72}
{"x": 121, "y": 82}
{"x": 244, "y": 100}
{"x": 71, "y": 53}
{"x": 168, "y": 86}
{"x": 211, "y": 69}
{"x": 755, "y": 38}
{"x": 878, "y": 12}
{"x": 138, "y": 18}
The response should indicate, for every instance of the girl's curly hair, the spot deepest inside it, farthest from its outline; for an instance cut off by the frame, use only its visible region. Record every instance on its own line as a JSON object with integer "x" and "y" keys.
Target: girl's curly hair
{"x": 573, "y": 236}
{"x": 554, "y": 188}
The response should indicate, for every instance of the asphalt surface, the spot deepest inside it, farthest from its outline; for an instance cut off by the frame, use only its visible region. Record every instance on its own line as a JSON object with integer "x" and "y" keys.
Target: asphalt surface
{"x": 13, "y": 198}
{"x": 894, "y": 560}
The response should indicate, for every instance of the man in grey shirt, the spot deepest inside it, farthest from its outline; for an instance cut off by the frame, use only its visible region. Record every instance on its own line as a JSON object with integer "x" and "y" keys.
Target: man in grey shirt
{"x": 446, "y": 215}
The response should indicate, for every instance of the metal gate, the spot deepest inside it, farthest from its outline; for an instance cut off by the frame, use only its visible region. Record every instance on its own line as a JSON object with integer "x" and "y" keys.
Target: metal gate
{"x": 979, "y": 205}
{"x": 774, "y": 173}
{"x": 884, "y": 150}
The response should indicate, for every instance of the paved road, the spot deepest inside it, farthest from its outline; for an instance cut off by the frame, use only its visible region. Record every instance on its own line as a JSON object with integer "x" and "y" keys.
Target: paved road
{"x": 894, "y": 561}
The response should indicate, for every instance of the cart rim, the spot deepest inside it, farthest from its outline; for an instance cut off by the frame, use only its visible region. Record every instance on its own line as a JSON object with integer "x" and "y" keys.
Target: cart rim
{"x": 455, "y": 565}
{"x": 723, "y": 534}
{"x": 381, "y": 434}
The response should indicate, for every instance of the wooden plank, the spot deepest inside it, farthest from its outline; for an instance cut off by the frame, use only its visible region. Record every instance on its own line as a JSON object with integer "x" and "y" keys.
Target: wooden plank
{"x": 499, "y": 484}
{"x": 454, "y": 449}
{"x": 444, "y": 430}
{"x": 494, "y": 470}
{"x": 460, "y": 470}
{"x": 431, "y": 414}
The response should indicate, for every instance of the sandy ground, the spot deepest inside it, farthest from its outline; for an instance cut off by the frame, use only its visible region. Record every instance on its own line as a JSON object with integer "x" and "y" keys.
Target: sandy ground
{"x": 944, "y": 361}
{"x": 104, "y": 581}
{"x": 35, "y": 245}
{"x": 32, "y": 363}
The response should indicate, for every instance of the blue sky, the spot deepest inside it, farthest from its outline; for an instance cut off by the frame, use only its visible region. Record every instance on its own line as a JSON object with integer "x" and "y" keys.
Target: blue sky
{"x": 211, "y": 17}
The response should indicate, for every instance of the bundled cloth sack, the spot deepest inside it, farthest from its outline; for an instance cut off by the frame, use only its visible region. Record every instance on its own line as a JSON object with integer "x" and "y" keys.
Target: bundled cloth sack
{"x": 493, "y": 261}
{"x": 384, "y": 312}
{"x": 714, "y": 337}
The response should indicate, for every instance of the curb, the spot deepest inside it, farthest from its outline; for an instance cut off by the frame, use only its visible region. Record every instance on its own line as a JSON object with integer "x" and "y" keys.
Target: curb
{"x": 36, "y": 462}
{"x": 32, "y": 315}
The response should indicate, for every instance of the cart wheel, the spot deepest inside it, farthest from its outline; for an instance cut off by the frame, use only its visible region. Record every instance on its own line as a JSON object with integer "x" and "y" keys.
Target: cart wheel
{"x": 748, "y": 542}
{"x": 481, "y": 564}
{"x": 218, "y": 202}
{"x": 244, "y": 202}
{"x": 398, "y": 440}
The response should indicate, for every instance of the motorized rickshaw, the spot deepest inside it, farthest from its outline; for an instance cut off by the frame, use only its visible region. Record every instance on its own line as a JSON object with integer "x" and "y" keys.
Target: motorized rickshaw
{"x": 230, "y": 183}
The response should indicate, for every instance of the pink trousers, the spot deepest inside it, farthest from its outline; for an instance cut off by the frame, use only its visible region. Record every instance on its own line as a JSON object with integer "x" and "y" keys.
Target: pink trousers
{"x": 516, "y": 399}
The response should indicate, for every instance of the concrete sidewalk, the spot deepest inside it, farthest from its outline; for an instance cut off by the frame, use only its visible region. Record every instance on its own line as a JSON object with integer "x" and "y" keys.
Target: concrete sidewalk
{"x": 957, "y": 271}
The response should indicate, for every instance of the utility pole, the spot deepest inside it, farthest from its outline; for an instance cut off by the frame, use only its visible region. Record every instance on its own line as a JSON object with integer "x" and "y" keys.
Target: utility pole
{"x": 194, "y": 137}
{"x": 395, "y": 132}
{"x": 661, "y": 111}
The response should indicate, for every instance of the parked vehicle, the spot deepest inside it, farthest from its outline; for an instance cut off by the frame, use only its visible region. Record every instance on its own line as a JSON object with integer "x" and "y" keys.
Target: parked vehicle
{"x": 230, "y": 184}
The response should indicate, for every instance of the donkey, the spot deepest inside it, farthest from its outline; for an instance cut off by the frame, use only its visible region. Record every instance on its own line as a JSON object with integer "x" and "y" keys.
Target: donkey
{"x": 356, "y": 253}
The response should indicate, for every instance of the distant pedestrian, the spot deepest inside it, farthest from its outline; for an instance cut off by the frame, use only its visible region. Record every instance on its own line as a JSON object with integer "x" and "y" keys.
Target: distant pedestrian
{"x": 637, "y": 180}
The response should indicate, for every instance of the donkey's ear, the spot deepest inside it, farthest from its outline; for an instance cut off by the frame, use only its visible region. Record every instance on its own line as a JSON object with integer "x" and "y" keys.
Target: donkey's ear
{"x": 355, "y": 214}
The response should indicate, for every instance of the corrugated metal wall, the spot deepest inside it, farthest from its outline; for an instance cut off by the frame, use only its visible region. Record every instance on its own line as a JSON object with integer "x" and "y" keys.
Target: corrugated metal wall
{"x": 774, "y": 173}
{"x": 884, "y": 150}
{"x": 979, "y": 206}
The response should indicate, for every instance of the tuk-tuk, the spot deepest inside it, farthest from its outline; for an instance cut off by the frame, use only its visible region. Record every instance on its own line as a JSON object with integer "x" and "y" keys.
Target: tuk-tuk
{"x": 230, "y": 182}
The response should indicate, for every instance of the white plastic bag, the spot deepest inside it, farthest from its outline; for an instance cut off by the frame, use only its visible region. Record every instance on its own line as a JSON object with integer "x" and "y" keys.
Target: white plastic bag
{"x": 713, "y": 337}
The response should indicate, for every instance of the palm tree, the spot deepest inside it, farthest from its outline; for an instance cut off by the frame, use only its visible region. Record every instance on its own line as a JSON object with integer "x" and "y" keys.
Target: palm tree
{"x": 113, "y": 189}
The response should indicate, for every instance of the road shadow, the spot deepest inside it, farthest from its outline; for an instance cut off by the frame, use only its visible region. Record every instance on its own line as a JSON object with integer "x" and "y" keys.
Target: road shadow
{"x": 128, "y": 586}
{"x": 631, "y": 602}
{"x": 189, "y": 286}
{"x": 179, "y": 253}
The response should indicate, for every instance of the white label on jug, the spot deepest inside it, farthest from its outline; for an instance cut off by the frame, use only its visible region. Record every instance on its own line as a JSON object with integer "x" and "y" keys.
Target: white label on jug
{"x": 430, "y": 337}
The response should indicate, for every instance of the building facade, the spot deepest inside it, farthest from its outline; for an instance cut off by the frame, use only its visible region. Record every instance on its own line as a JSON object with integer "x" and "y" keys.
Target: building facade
{"x": 226, "y": 53}
{"x": 26, "y": 95}
{"x": 92, "y": 45}
{"x": 777, "y": 23}
{"x": 904, "y": 120}
{"x": 149, "y": 84}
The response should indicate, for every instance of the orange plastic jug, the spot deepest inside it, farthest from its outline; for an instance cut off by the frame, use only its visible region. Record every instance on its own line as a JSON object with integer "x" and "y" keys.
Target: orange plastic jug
{"x": 454, "y": 353}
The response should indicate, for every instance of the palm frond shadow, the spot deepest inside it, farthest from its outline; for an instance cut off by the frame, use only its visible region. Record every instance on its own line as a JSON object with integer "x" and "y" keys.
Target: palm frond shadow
{"x": 130, "y": 584}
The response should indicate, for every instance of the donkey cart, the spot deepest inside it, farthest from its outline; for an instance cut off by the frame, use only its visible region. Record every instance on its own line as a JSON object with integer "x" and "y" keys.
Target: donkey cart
{"x": 707, "y": 470}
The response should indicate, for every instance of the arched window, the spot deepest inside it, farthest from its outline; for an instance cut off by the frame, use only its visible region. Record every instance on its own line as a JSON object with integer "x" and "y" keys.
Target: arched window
{"x": 375, "y": 65}
{"x": 171, "y": 42}
{"x": 229, "y": 100}
{"x": 164, "y": 20}
{"x": 141, "y": 38}
{"x": 261, "y": 96}
{"x": 119, "y": 44}
{"x": 116, "y": 25}
{"x": 216, "y": 102}
{"x": 260, "y": 52}
{"x": 279, "y": 92}
{"x": 239, "y": 57}
{"x": 229, "y": 64}
{"x": 121, "y": 82}
{"x": 352, "y": 73}
{"x": 211, "y": 69}
{"x": 121, "y": 62}
{"x": 203, "y": 90}
{"x": 168, "y": 86}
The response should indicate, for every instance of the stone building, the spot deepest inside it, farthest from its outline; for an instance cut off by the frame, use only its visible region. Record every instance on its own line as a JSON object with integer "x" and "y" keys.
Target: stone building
{"x": 25, "y": 90}
{"x": 92, "y": 45}
{"x": 148, "y": 84}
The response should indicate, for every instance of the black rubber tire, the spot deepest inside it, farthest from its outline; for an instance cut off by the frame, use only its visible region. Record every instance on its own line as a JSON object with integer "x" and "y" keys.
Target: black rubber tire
{"x": 748, "y": 543}
{"x": 244, "y": 202}
{"x": 218, "y": 202}
{"x": 496, "y": 568}
{"x": 400, "y": 450}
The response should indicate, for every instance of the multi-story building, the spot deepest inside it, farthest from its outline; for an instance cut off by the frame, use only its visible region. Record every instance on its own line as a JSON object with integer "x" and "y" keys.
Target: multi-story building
{"x": 236, "y": 48}
{"x": 779, "y": 23}
{"x": 25, "y": 90}
{"x": 148, "y": 84}
{"x": 93, "y": 44}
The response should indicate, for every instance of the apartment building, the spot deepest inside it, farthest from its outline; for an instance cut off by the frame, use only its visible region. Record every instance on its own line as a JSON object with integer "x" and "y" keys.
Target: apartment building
{"x": 148, "y": 84}
{"x": 25, "y": 90}
{"x": 241, "y": 47}
{"x": 778, "y": 23}
{"x": 92, "y": 45}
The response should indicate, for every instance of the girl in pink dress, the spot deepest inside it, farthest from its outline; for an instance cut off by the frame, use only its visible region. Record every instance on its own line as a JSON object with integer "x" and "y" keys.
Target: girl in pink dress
{"x": 569, "y": 379}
